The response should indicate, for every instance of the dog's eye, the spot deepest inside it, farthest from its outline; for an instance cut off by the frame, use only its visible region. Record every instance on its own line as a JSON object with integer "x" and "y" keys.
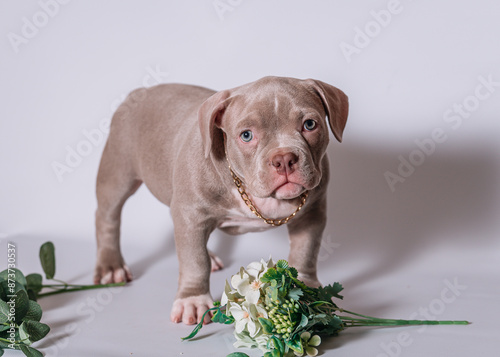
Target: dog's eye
{"x": 246, "y": 136}
{"x": 309, "y": 124}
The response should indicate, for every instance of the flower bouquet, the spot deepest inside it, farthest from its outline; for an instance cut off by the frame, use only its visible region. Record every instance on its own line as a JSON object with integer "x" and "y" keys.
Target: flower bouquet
{"x": 276, "y": 312}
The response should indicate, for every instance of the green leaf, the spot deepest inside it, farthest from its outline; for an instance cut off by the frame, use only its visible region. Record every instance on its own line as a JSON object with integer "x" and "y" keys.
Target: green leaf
{"x": 36, "y": 330}
{"x": 4, "y": 327}
{"x": 4, "y": 312}
{"x": 303, "y": 321}
{"x": 24, "y": 335}
{"x": 222, "y": 318}
{"x": 237, "y": 354}
{"x": 32, "y": 295}
{"x": 270, "y": 274}
{"x": 1, "y": 351}
{"x": 279, "y": 347}
{"x": 48, "y": 259}
{"x": 34, "y": 282}
{"x": 267, "y": 325}
{"x": 34, "y": 312}
{"x": 10, "y": 290}
{"x": 13, "y": 274}
{"x": 6, "y": 335}
{"x": 295, "y": 294}
{"x": 274, "y": 293}
{"x": 199, "y": 326}
{"x": 283, "y": 264}
{"x": 293, "y": 272}
{"x": 330, "y": 291}
{"x": 295, "y": 343}
{"x": 30, "y": 351}
{"x": 22, "y": 304}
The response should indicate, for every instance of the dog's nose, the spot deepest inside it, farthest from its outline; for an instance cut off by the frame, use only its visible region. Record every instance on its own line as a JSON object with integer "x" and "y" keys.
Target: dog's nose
{"x": 285, "y": 163}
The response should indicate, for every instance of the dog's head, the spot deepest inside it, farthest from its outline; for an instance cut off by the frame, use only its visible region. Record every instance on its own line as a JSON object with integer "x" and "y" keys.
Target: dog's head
{"x": 274, "y": 132}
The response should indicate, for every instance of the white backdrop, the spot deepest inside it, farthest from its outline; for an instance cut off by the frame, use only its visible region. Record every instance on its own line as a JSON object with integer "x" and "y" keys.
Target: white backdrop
{"x": 414, "y": 197}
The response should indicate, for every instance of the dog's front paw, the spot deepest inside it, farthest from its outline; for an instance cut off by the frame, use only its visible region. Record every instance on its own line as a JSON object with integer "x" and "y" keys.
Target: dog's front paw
{"x": 190, "y": 310}
{"x": 312, "y": 282}
{"x": 111, "y": 268}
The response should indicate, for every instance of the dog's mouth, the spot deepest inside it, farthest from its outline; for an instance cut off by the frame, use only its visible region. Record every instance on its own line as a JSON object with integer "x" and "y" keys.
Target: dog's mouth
{"x": 288, "y": 190}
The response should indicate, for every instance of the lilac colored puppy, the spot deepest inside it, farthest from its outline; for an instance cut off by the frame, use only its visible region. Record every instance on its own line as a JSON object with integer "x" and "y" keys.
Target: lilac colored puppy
{"x": 189, "y": 145}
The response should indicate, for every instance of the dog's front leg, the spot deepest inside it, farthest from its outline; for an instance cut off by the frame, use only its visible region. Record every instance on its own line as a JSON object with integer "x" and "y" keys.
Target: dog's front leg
{"x": 193, "y": 295}
{"x": 305, "y": 241}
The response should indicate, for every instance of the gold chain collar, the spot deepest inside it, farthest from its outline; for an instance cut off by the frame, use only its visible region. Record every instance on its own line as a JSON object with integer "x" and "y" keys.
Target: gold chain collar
{"x": 249, "y": 203}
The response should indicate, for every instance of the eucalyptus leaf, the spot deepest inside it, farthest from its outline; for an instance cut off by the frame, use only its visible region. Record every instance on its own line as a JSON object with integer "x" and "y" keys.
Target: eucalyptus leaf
{"x": 7, "y": 290}
{"x": 32, "y": 295}
{"x": 13, "y": 274}
{"x": 30, "y": 351}
{"x": 48, "y": 259}
{"x": 34, "y": 282}
{"x": 22, "y": 304}
{"x": 34, "y": 312}
{"x": 5, "y": 335}
{"x": 237, "y": 354}
{"x": 4, "y": 312}
{"x": 24, "y": 335}
{"x": 36, "y": 330}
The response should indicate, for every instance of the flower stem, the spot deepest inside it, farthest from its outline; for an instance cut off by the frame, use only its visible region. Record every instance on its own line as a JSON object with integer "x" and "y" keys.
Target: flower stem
{"x": 375, "y": 321}
{"x": 77, "y": 288}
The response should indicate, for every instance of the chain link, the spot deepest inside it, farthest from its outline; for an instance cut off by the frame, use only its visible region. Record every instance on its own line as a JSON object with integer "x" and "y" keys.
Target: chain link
{"x": 249, "y": 203}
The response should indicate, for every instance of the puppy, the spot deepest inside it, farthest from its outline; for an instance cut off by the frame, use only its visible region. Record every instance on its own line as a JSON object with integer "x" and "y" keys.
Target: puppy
{"x": 242, "y": 160}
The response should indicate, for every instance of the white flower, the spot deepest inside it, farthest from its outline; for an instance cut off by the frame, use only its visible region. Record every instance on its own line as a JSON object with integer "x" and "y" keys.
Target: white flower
{"x": 242, "y": 317}
{"x": 243, "y": 340}
{"x": 230, "y": 295}
{"x": 247, "y": 281}
{"x": 257, "y": 269}
{"x": 247, "y": 316}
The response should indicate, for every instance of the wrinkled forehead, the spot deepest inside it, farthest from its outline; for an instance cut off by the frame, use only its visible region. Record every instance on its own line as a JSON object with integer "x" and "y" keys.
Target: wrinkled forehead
{"x": 274, "y": 100}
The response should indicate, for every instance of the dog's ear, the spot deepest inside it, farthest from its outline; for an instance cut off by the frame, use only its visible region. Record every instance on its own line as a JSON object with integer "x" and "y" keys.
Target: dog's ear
{"x": 209, "y": 119}
{"x": 336, "y": 105}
